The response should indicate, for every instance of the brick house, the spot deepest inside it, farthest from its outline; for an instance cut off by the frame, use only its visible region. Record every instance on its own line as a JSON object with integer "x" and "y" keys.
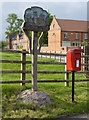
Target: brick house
{"x": 66, "y": 33}
{"x": 15, "y": 40}
{"x": 63, "y": 34}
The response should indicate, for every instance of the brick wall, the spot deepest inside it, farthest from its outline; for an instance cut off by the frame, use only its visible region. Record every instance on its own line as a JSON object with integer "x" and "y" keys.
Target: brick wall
{"x": 13, "y": 42}
{"x": 54, "y": 36}
{"x": 65, "y": 49}
{"x": 72, "y": 36}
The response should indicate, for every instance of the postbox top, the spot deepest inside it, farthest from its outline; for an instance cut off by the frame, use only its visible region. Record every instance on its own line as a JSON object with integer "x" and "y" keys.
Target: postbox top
{"x": 36, "y": 19}
{"x": 74, "y": 60}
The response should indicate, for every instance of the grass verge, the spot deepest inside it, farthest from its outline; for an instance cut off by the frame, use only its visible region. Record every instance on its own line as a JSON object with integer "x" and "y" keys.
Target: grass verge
{"x": 59, "y": 94}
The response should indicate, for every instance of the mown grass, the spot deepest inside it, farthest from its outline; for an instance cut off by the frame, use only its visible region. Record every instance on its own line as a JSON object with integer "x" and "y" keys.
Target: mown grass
{"x": 60, "y": 97}
{"x": 59, "y": 94}
{"x": 40, "y": 67}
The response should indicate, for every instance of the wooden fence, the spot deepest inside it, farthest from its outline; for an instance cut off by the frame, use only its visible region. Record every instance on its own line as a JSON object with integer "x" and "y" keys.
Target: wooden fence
{"x": 23, "y": 68}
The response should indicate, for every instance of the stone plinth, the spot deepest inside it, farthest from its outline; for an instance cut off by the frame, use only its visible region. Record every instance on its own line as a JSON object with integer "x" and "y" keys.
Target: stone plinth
{"x": 38, "y": 98}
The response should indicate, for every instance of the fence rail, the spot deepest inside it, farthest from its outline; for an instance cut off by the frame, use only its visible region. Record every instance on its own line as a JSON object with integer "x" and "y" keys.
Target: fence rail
{"x": 29, "y": 62}
{"x": 46, "y": 72}
{"x": 41, "y": 53}
{"x": 29, "y": 81}
{"x": 23, "y": 71}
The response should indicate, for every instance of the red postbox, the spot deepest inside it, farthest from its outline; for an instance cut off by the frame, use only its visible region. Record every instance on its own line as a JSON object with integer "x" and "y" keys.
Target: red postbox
{"x": 74, "y": 60}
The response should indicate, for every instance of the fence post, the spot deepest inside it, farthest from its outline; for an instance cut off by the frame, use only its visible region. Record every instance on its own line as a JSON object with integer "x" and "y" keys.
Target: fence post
{"x": 46, "y": 55}
{"x": 50, "y": 54}
{"x": 41, "y": 55}
{"x": 55, "y": 55}
{"x": 66, "y": 76}
{"x": 87, "y": 60}
{"x": 60, "y": 57}
{"x": 23, "y": 59}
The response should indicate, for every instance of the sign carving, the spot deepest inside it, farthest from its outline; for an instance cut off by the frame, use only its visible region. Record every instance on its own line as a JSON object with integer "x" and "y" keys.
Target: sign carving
{"x": 36, "y": 19}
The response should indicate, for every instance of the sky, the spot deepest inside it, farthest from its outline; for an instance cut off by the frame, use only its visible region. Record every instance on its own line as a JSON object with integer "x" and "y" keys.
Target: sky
{"x": 75, "y": 10}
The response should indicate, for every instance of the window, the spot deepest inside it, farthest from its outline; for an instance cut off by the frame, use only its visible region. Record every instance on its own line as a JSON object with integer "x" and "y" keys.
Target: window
{"x": 53, "y": 25}
{"x": 25, "y": 46}
{"x": 66, "y": 43}
{"x": 21, "y": 42}
{"x": 53, "y": 33}
{"x": 15, "y": 46}
{"x": 15, "y": 41}
{"x": 65, "y": 35}
{"x": 62, "y": 48}
{"x": 76, "y": 36}
{"x": 76, "y": 43}
{"x": 73, "y": 44}
{"x": 85, "y": 36}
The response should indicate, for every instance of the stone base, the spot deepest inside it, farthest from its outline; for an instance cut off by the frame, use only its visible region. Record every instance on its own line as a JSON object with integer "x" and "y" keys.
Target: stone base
{"x": 38, "y": 98}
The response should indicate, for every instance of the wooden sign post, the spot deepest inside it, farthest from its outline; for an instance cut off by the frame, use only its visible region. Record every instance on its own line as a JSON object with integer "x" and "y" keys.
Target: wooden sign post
{"x": 36, "y": 20}
{"x": 34, "y": 60}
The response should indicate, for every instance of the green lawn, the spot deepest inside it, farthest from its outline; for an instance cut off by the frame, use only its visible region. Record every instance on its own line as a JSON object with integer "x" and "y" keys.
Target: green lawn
{"x": 59, "y": 94}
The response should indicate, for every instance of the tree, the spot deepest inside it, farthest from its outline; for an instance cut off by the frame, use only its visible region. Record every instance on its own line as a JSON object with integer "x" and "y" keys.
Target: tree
{"x": 18, "y": 25}
{"x": 45, "y": 38}
{"x": 2, "y": 44}
{"x": 14, "y": 24}
{"x": 83, "y": 43}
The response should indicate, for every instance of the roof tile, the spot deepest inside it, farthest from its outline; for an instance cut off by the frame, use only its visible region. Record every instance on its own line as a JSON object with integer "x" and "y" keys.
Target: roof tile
{"x": 73, "y": 25}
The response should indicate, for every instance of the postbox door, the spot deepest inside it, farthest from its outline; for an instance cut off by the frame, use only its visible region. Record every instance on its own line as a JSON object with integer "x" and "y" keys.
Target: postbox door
{"x": 78, "y": 61}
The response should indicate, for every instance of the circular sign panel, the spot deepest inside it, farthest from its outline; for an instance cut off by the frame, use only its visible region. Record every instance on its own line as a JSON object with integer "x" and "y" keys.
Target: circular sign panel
{"x": 36, "y": 19}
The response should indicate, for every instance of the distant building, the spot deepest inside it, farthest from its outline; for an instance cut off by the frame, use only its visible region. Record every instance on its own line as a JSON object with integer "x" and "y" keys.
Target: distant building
{"x": 14, "y": 41}
{"x": 63, "y": 34}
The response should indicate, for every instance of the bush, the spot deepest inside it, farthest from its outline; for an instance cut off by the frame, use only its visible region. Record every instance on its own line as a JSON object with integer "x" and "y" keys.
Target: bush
{"x": 2, "y": 44}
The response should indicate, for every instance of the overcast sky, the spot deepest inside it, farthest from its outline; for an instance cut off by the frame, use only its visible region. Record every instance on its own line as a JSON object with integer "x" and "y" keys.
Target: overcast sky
{"x": 76, "y": 10}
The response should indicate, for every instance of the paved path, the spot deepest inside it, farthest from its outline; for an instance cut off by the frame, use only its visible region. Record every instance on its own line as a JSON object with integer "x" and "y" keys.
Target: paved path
{"x": 81, "y": 116}
{"x": 74, "y": 117}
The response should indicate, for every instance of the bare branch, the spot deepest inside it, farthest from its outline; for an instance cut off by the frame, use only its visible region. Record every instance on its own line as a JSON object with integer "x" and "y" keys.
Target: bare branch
{"x": 40, "y": 40}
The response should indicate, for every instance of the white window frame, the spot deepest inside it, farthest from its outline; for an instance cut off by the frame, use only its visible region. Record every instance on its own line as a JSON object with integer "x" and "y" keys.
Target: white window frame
{"x": 21, "y": 42}
{"x": 76, "y": 35}
{"x": 66, "y": 43}
{"x": 85, "y": 36}
{"x": 65, "y": 35}
{"x": 76, "y": 43}
{"x": 25, "y": 46}
{"x": 53, "y": 25}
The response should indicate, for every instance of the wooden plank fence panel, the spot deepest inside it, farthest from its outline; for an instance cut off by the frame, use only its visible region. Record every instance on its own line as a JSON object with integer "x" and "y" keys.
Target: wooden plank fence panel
{"x": 23, "y": 71}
